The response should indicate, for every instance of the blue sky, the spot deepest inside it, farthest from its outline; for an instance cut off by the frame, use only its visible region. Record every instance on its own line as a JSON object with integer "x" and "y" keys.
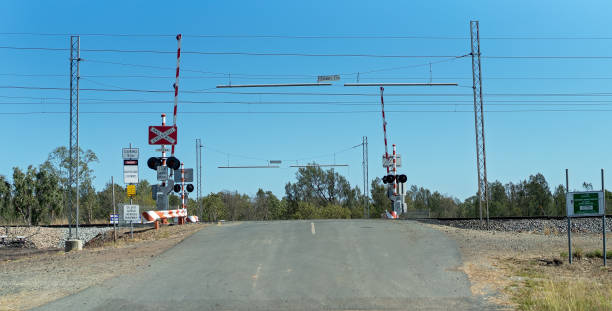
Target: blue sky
{"x": 437, "y": 147}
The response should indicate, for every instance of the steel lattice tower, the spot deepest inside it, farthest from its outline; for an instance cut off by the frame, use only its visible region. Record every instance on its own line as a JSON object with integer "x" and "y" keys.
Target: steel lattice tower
{"x": 481, "y": 158}
{"x": 73, "y": 156}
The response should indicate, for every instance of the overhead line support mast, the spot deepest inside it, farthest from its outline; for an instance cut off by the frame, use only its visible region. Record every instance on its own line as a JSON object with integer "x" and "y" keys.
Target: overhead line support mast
{"x": 481, "y": 158}
{"x": 73, "y": 151}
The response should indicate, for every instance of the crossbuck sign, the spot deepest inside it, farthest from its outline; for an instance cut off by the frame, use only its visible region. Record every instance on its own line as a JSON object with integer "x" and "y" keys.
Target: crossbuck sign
{"x": 162, "y": 135}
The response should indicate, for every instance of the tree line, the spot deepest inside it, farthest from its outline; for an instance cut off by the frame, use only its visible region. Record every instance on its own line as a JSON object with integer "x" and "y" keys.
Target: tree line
{"x": 39, "y": 195}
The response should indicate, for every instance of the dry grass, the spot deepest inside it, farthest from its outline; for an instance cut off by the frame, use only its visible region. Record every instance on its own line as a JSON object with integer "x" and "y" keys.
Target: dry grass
{"x": 585, "y": 285}
{"x": 564, "y": 295}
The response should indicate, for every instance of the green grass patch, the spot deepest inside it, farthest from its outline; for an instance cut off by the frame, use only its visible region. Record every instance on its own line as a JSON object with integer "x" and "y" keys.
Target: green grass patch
{"x": 598, "y": 254}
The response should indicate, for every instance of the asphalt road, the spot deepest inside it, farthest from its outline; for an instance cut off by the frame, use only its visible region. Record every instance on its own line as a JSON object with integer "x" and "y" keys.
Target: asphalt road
{"x": 294, "y": 265}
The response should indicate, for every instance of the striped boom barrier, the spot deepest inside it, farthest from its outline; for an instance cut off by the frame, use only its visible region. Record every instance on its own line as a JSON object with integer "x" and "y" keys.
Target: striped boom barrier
{"x": 176, "y": 84}
{"x": 382, "y": 104}
{"x": 392, "y": 215}
{"x": 158, "y": 215}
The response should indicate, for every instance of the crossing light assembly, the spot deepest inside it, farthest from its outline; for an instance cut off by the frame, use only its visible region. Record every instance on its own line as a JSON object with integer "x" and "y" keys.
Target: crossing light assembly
{"x": 188, "y": 187}
{"x": 390, "y": 178}
{"x": 173, "y": 163}
{"x": 154, "y": 162}
{"x": 402, "y": 178}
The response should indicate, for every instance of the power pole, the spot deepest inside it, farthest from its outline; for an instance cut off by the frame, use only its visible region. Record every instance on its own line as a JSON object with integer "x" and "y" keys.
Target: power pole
{"x": 114, "y": 210}
{"x": 481, "y": 158}
{"x": 199, "y": 174}
{"x": 75, "y": 59}
{"x": 364, "y": 164}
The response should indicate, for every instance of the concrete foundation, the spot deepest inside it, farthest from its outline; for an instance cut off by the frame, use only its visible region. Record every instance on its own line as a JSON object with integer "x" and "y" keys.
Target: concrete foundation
{"x": 74, "y": 245}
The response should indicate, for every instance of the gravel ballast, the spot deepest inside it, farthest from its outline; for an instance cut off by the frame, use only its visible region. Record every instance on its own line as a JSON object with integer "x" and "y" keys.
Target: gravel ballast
{"x": 85, "y": 234}
{"x": 43, "y": 237}
{"x": 548, "y": 226}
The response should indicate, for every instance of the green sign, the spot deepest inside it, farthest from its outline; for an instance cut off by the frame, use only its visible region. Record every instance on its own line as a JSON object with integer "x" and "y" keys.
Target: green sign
{"x": 584, "y": 203}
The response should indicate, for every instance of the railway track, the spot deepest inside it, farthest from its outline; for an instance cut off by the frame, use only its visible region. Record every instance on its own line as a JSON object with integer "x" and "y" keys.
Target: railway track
{"x": 81, "y": 226}
{"x": 511, "y": 218}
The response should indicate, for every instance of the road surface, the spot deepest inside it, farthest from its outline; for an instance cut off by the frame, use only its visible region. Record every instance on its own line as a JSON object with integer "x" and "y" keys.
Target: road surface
{"x": 294, "y": 265}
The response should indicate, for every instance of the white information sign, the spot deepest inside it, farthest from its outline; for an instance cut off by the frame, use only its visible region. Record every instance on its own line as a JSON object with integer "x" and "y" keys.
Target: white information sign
{"x": 328, "y": 78}
{"x": 389, "y": 162}
{"x": 162, "y": 173}
{"x": 131, "y": 213}
{"x": 130, "y": 153}
{"x": 130, "y": 174}
{"x": 188, "y": 175}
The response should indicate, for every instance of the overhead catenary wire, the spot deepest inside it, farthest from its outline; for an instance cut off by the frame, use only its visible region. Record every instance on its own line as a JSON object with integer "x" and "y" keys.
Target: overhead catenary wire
{"x": 228, "y": 154}
{"x": 323, "y": 36}
{"x": 211, "y": 91}
{"x": 299, "y": 54}
{"x": 243, "y": 53}
{"x": 411, "y": 103}
{"x": 306, "y": 112}
{"x": 271, "y": 77}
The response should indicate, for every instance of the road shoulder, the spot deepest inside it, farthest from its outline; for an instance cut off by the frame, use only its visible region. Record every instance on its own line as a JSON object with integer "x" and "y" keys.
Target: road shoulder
{"x": 39, "y": 279}
{"x": 518, "y": 269}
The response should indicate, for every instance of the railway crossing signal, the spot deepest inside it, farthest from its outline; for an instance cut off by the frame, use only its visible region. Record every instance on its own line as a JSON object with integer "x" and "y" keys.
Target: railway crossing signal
{"x": 388, "y": 179}
{"x": 171, "y": 162}
{"x": 188, "y": 187}
{"x": 162, "y": 135}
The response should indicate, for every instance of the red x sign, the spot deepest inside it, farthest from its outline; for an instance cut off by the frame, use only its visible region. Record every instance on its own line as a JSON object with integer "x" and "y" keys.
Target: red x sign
{"x": 162, "y": 135}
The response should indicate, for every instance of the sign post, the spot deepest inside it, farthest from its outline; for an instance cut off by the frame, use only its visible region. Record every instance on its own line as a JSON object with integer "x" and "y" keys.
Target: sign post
{"x": 130, "y": 165}
{"x": 388, "y": 161}
{"x": 584, "y": 204}
{"x": 114, "y": 210}
{"x": 603, "y": 218}
{"x": 130, "y": 178}
{"x": 162, "y": 173}
{"x": 188, "y": 175}
{"x": 131, "y": 213}
{"x": 162, "y": 135}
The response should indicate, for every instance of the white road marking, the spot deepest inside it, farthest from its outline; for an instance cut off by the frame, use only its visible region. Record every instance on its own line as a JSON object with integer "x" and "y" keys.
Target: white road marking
{"x": 256, "y": 275}
{"x": 312, "y": 228}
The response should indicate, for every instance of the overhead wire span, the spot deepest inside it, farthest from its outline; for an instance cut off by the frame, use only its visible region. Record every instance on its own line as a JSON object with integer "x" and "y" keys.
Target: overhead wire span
{"x": 244, "y": 53}
{"x": 320, "y": 36}
{"x": 212, "y": 91}
{"x": 299, "y": 54}
{"x": 272, "y": 77}
{"x": 286, "y": 160}
{"x": 357, "y": 104}
{"x": 305, "y": 112}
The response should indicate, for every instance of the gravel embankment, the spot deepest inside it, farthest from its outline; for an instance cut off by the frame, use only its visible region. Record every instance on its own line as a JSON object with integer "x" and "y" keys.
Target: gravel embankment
{"x": 583, "y": 225}
{"x": 85, "y": 234}
{"x": 43, "y": 237}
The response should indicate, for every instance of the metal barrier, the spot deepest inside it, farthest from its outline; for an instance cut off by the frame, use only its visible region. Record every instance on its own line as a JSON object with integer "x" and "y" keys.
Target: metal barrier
{"x": 416, "y": 214}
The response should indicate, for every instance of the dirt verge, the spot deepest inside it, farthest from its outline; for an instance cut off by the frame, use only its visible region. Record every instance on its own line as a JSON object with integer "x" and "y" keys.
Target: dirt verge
{"x": 511, "y": 269}
{"x": 42, "y": 277}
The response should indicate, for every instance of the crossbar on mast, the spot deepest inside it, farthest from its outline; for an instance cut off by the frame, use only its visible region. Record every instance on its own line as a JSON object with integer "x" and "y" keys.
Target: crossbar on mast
{"x": 272, "y": 85}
